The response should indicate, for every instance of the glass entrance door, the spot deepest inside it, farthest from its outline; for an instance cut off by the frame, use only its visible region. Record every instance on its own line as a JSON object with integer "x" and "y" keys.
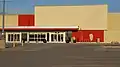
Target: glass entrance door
{"x": 37, "y": 37}
{"x": 41, "y": 37}
{"x": 57, "y": 37}
{"x": 13, "y": 37}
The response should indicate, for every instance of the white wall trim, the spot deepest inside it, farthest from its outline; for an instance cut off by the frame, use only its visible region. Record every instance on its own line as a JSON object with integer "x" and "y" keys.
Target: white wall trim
{"x": 93, "y": 29}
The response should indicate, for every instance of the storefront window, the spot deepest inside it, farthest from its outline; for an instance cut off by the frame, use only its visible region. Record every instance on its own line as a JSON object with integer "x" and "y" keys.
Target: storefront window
{"x": 42, "y": 35}
{"x": 52, "y": 37}
{"x": 31, "y": 39}
{"x": 58, "y": 37}
{"x": 9, "y": 37}
{"x": 61, "y": 37}
{"x": 47, "y": 36}
{"x": 18, "y": 37}
{"x": 24, "y": 36}
{"x": 13, "y": 37}
{"x": 31, "y": 35}
{"x": 37, "y": 37}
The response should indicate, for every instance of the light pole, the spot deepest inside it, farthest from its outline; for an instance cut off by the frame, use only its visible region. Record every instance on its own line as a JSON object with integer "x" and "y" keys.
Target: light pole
{"x": 3, "y": 44}
{"x": 2, "y": 40}
{"x": 3, "y": 18}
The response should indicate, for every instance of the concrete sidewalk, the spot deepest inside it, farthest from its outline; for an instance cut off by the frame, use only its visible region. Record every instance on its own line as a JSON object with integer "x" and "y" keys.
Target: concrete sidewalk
{"x": 94, "y": 43}
{"x": 2, "y": 44}
{"x": 60, "y": 44}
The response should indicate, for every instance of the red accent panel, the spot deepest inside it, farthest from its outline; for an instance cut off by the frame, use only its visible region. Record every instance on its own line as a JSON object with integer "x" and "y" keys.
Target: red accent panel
{"x": 40, "y": 29}
{"x": 83, "y": 35}
{"x": 25, "y": 20}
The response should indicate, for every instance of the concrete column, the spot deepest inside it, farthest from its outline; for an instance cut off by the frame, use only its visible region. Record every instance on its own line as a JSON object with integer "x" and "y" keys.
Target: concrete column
{"x": 28, "y": 37}
{"x": 49, "y": 36}
{"x": 64, "y": 37}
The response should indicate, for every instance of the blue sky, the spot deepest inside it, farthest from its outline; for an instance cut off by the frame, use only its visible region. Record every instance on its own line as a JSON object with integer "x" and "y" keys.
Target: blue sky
{"x": 27, "y": 6}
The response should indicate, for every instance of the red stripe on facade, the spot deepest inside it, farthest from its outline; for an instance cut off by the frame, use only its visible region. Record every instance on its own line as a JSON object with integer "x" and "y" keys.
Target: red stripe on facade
{"x": 26, "y": 20}
{"x": 41, "y": 29}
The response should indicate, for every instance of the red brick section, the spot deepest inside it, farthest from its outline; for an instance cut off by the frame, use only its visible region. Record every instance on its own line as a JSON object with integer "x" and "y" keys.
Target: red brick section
{"x": 83, "y": 35}
{"x": 26, "y": 20}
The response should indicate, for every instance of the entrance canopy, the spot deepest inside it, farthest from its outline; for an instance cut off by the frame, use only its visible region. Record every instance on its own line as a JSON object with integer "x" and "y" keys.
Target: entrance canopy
{"x": 41, "y": 28}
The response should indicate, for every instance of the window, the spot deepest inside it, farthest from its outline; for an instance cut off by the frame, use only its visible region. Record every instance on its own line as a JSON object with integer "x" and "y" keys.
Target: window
{"x": 52, "y": 37}
{"x": 42, "y": 35}
{"x": 31, "y": 35}
{"x": 55, "y": 35}
{"x": 37, "y": 37}
{"x": 24, "y": 36}
{"x": 47, "y": 36}
{"x": 31, "y": 39}
{"x": 17, "y": 37}
{"x": 62, "y": 37}
{"x": 13, "y": 37}
{"x": 58, "y": 37}
{"x": 9, "y": 37}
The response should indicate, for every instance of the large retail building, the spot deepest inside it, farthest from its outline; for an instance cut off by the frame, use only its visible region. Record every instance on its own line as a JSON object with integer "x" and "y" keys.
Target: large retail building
{"x": 56, "y": 24}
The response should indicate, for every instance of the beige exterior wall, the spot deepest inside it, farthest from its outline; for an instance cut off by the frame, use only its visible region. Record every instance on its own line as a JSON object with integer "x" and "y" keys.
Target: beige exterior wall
{"x": 10, "y": 20}
{"x": 113, "y": 32}
{"x": 87, "y": 17}
{"x": 114, "y": 21}
{"x": 112, "y": 36}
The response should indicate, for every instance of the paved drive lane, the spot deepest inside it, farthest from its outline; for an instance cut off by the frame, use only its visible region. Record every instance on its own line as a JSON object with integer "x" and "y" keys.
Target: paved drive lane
{"x": 60, "y": 55}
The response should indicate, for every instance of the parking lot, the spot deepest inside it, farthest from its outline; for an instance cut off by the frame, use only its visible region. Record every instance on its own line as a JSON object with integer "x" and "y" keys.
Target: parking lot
{"x": 60, "y": 55}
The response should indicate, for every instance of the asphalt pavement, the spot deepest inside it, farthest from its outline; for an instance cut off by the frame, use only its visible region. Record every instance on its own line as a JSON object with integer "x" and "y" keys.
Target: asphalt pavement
{"x": 60, "y": 55}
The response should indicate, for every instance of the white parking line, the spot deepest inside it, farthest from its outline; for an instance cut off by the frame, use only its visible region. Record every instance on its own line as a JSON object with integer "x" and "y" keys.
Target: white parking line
{"x": 29, "y": 50}
{"x": 111, "y": 46}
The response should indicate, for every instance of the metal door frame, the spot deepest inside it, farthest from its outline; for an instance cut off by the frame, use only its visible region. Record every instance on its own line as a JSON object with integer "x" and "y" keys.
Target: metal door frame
{"x": 50, "y": 33}
{"x": 7, "y": 33}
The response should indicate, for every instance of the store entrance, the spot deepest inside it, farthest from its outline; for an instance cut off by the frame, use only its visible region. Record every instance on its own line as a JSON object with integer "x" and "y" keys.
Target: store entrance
{"x": 13, "y": 37}
{"x": 37, "y": 37}
{"x": 57, "y": 37}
